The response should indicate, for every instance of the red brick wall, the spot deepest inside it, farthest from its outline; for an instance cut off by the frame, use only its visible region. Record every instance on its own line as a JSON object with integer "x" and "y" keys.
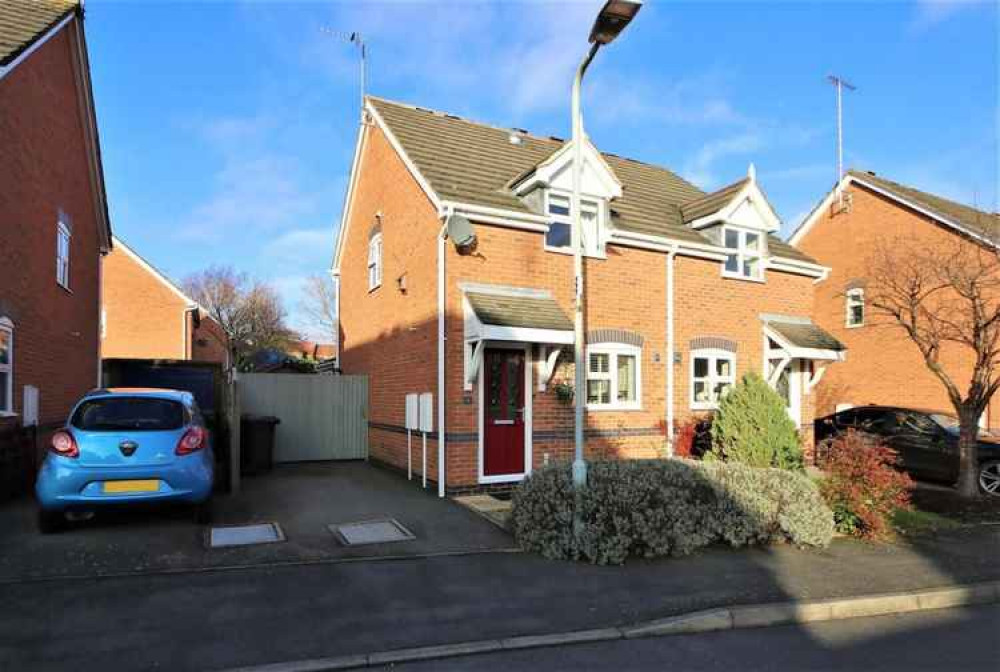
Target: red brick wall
{"x": 392, "y": 336}
{"x": 44, "y": 169}
{"x": 883, "y": 366}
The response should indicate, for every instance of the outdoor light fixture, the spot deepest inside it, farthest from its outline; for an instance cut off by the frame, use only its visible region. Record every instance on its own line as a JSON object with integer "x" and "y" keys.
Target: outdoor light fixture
{"x": 614, "y": 16}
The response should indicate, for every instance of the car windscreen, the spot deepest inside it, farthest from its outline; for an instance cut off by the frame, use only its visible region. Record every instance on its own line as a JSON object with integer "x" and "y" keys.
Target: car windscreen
{"x": 107, "y": 414}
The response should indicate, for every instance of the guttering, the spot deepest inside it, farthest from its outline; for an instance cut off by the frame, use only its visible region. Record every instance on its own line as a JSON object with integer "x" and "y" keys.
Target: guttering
{"x": 641, "y": 240}
{"x": 670, "y": 350}
{"x": 444, "y": 213}
{"x": 37, "y": 44}
{"x": 499, "y": 216}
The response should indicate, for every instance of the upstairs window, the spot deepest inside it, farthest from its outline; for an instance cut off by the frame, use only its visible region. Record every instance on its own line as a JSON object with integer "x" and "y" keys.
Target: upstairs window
{"x": 559, "y": 237}
{"x": 713, "y": 374}
{"x": 6, "y": 366}
{"x": 745, "y": 251}
{"x": 63, "y": 235}
{"x": 375, "y": 262}
{"x": 855, "y": 308}
{"x": 614, "y": 378}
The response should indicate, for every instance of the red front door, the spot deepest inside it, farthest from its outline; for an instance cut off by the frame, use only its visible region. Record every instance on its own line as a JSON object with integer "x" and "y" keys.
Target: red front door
{"x": 503, "y": 445}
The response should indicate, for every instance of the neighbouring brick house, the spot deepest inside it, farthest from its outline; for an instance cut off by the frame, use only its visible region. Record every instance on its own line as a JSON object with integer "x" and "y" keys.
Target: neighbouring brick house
{"x": 54, "y": 225}
{"x": 885, "y": 366}
{"x": 146, "y": 316}
{"x": 685, "y": 292}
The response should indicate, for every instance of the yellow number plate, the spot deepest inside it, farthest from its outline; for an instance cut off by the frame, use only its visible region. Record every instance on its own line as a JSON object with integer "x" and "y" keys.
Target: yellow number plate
{"x": 131, "y": 486}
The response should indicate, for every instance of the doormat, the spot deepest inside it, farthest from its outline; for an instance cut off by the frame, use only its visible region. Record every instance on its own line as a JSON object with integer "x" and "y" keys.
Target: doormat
{"x": 384, "y": 531}
{"x": 244, "y": 535}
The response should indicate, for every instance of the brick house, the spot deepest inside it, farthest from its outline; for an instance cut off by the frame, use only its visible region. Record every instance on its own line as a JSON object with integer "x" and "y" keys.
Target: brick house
{"x": 54, "y": 226}
{"x": 885, "y": 367}
{"x": 684, "y": 293}
{"x": 146, "y": 316}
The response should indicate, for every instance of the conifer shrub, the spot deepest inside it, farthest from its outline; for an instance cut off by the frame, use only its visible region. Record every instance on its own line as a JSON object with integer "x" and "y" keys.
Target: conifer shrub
{"x": 752, "y": 427}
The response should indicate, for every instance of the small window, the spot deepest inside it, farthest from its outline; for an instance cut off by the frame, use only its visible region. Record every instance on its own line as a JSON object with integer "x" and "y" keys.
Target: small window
{"x": 375, "y": 262}
{"x": 614, "y": 377}
{"x": 560, "y": 233}
{"x": 713, "y": 374}
{"x": 6, "y": 366}
{"x": 63, "y": 236}
{"x": 745, "y": 259}
{"x": 855, "y": 308}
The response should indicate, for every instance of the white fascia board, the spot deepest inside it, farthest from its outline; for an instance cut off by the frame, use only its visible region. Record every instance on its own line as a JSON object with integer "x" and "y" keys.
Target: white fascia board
{"x": 798, "y": 267}
{"x": 546, "y": 171}
{"x": 813, "y": 216}
{"x": 492, "y": 332}
{"x": 664, "y": 244}
{"x": 37, "y": 44}
{"x": 394, "y": 142}
{"x": 345, "y": 213}
{"x": 771, "y": 220}
{"x": 498, "y": 217}
{"x": 149, "y": 268}
{"x": 796, "y": 352}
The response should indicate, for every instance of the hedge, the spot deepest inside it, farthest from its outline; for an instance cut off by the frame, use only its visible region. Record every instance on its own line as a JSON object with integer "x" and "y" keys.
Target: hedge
{"x": 652, "y": 508}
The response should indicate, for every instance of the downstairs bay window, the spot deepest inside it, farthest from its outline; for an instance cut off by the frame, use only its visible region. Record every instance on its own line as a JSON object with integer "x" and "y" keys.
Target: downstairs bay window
{"x": 614, "y": 377}
{"x": 713, "y": 374}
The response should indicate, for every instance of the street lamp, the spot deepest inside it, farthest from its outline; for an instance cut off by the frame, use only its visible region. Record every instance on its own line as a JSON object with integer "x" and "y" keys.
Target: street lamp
{"x": 610, "y": 22}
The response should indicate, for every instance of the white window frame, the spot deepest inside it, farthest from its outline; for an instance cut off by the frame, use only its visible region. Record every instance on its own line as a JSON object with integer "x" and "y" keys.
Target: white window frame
{"x": 375, "y": 262}
{"x": 854, "y": 297}
{"x": 743, "y": 253}
{"x": 593, "y": 243}
{"x": 613, "y": 350}
{"x": 64, "y": 237}
{"x": 713, "y": 355}
{"x": 7, "y": 327}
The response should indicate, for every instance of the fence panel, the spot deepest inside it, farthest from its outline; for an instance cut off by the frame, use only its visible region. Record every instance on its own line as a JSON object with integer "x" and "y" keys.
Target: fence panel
{"x": 323, "y": 417}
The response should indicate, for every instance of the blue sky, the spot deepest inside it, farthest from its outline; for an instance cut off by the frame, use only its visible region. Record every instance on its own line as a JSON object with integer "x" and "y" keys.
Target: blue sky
{"x": 227, "y": 129}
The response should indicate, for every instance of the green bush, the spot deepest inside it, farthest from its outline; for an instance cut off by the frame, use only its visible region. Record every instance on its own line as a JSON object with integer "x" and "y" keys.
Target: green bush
{"x": 655, "y": 508}
{"x": 752, "y": 427}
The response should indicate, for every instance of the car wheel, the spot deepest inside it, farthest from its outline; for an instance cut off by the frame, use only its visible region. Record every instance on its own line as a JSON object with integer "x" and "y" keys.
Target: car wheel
{"x": 203, "y": 512}
{"x": 989, "y": 478}
{"x": 50, "y": 521}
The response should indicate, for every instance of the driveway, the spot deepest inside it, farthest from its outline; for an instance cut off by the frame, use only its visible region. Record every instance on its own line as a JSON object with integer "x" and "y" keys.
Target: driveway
{"x": 303, "y": 499}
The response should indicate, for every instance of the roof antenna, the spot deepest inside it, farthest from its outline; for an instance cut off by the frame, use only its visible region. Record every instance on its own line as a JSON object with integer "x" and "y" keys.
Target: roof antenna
{"x": 841, "y": 84}
{"x": 356, "y": 39}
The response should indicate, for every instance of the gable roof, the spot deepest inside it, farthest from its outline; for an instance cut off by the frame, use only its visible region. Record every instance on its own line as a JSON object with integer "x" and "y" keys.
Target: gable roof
{"x": 963, "y": 218}
{"x": 22, "y": 22}
{"x": 712, "y": 202}
{"x": 980, "y": 221}
{"x": 533, "y": 312}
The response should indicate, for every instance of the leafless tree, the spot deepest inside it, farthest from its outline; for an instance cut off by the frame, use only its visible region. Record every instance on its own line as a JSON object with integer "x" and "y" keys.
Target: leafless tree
{"x": 249, "y": 312}
{"x": 319, "y": 305}
{"x": 946, "y": 297}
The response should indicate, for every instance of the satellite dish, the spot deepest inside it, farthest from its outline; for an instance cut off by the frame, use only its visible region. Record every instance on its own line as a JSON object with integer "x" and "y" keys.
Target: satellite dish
{"x": 461, "y": 231}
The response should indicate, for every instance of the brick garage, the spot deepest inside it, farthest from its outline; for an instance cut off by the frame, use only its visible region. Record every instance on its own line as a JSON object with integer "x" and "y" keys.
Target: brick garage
{"x": 390, "y": 332}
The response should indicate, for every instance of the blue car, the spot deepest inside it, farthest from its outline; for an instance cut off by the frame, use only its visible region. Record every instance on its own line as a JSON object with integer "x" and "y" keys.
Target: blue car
{"x": 127, "y": 446}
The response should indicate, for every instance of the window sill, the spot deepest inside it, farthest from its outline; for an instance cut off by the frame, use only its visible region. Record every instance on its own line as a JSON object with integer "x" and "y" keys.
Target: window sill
{"x": 64, "y": 288}
{"x": 8, "y": 414}
{"x": 606, "y": 407}
{"x": 854, "y": 326}
{"x": 374, "y": 289}
{"x": 737, "y": 276}
{"x": 569, "y": 252}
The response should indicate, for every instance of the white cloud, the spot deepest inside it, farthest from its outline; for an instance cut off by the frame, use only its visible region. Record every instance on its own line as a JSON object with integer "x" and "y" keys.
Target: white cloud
{"x": 700, "y": 169}
{"x": 930, "y": 13}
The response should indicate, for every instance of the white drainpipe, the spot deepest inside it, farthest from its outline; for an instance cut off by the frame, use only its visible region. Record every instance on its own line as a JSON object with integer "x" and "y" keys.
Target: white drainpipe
{"x": 441, "y": 250}
{"x": 670, "y": 350}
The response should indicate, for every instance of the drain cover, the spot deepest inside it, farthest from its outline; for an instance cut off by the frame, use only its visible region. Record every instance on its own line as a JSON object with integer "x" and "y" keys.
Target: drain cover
{"x": 244, "y": 535}
{"x": 371, "y": 532}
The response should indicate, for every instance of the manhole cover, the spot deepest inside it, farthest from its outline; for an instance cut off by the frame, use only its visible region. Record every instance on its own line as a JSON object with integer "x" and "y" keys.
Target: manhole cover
{"x": 244, "y": 535}
{"x": 371, "y": 532}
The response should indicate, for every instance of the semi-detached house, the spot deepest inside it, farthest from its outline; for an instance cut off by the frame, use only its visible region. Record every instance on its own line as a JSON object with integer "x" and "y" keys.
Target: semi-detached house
{"x": 685, "y": 292}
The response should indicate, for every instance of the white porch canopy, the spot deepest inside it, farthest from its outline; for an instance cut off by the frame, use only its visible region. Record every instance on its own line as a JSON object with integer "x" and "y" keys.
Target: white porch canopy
{"x": 509, "y": 314}
{"x": 788, "y": 338}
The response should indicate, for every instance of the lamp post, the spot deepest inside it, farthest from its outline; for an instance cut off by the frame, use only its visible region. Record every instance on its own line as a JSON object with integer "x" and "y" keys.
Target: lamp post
{"x": 610, "y": 22}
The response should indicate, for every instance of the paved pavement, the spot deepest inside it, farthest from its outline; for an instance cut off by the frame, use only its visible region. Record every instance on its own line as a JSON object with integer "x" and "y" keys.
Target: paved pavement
{"x": 952, "y": 639}
{"x": 303, "y": 499}
{"x": 212, "y": 620}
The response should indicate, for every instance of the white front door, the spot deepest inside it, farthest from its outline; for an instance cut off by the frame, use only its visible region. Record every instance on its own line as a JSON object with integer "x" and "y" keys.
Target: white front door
{"x": 789, "y": 386}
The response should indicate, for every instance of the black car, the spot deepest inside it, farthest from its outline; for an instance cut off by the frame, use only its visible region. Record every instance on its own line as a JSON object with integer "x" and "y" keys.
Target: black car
{"x": 926, "y": 441}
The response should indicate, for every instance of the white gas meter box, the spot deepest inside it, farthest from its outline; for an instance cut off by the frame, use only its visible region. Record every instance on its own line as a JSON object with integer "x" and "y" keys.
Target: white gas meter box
{"x": 412, "y": 411}
{"x": 426, "y": 412}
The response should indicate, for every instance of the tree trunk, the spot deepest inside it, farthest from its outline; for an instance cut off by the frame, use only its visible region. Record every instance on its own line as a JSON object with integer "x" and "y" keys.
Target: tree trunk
{"x": 968, "y": 465}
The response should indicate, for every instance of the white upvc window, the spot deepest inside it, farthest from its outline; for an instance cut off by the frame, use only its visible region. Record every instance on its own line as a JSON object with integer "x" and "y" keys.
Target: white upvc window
{"x": 713, "y": 374}
{"x": 854, "y": 308}
{"x": 745, "y": 251}
{"x": 614, "y": 377}
{"x": 6, "y": 366}
{"x": 63, "y": 236}
{"x": 375, "y": 262}
{"x": 559, "y": 237}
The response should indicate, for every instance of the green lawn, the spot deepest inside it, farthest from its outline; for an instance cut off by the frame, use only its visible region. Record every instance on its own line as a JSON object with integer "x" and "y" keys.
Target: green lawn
{"x": 914, "y": 522}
